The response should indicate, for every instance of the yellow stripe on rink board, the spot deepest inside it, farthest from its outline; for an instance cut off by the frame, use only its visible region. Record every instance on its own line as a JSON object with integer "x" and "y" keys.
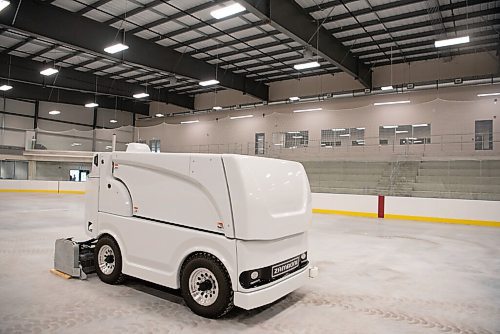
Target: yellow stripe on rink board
{"x": 74, "y": 192}
{"x": 489, "y": 223}
{"x": 47, "y": 191}
{"x": 346, "y": 213}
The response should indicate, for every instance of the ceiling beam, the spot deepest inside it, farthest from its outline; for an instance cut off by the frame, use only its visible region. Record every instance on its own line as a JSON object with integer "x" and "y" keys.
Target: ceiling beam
{"x": 289, "y": 18}
{"x": 423, "y": 24}
{"x": 28, "y": 71}
{"x": 92, "y": 36}
{"x": 405, "y": 15}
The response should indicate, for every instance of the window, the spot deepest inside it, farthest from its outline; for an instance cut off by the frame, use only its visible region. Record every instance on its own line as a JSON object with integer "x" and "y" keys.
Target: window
{"x": 294, "y": 139}
{"x": 154, "y": 144}
{"x": 291, "y": 139}
{"x": 342, "y": 137}
{"x": 484, "y": 135}
{"x": 260, "y": 143}
{"x": 404, "y": 134}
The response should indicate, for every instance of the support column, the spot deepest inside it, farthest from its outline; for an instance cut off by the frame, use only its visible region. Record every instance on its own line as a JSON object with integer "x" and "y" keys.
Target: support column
{"x": 31, "y": 170}
{"x": 94, "y": 125}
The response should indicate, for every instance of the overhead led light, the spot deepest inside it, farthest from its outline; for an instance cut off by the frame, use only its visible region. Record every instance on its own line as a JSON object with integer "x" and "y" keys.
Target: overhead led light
{"x": 306, "y": 110}
{"x": 3, "y": 4}
{"x": 217, "y": 108}
{"x": 338, "y": 129}
{"x": 391, "y": 102}
{"x": 488, "y": 94}
{"x": 140, "y": 95}
{"x": 387, "y": 87}
{"x": 113, "y": 121}
{"x": 76, "y": 144}
{"x": 420, "y": 125}
{"x": 389, "y": 126}
{"x": 360, "y": 128}
{"x": 54, "y": 112}
{"x": 190, "y": 122}
{"x": 293, "y": 132}
{"x": 305, "y": 66}
{"x": 49, "y": 71}
{"x": 401, "y": 131}
{"x": 451, "y": 41}
{"x": 209, "y": 82}
{"x": 159, "y": 115}
{"x": 116, "y": 48}
{"x": 238, "y": 117}
{"x": 5, "y": 88}
{"x": 91, "y": 105}
{"x": 345, "y": 135}
{"x": 227, "y": 11}
{"x": 297, "y": 137}
{"x": 294, "y": 98}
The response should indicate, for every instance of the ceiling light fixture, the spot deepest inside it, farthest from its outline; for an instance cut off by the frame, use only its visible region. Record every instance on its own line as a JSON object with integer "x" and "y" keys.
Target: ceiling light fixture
{"x": 91, "y": 105}
{"x": 451, "y": 41}
{"x": 306, "y": 110}
{"x": 76, "y": 144}
{"x": 294, "y": 98}
{"x": 217, "y": 108}
{"x": 49, "y": 71}
{"x": 190, "y": 122}
{"x": 5, "y": 88}
{"x": 389, "y": 126}
{"x": 487, "y": 94}
{"x": 387, "y": 87}
{"x": 391, "y": 102}
{"x": 227, "y": 11}
{"x": 3, "y": 4}
{"x": 401, "y": 131}
{"x": 140, "y": 95}
{"x": 420, "y": 125}
{"x": 113, "y": 121}
{"x": 360, "y": 128}
{"x": 345, "y": 135}
{"x": 208, "y": 82}
{"x": 54, "y": 112}
{"x": 238, "y": 117}
{"x": 115, "y": 48}
{"x": 338, "y": 130}
{"x": 159, "y": 115}
{"x": 305, "y": 66}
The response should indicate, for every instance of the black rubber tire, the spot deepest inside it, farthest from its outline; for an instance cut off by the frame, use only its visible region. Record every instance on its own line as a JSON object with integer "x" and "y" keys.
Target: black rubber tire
{"x": 224, "y": 302}
{"x": 116, "y": 277}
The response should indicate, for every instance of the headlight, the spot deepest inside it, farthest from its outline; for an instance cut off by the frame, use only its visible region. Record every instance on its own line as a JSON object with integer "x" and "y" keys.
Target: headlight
{"x": 254, "y": 275}
{"x": 303, "y": 256}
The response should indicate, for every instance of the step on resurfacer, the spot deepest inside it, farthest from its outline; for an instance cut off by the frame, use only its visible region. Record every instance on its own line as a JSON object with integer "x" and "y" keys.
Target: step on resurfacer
{"x": 228, "y": 230}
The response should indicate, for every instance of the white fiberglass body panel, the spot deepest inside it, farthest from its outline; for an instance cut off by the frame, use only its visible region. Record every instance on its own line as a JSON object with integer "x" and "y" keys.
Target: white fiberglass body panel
{"x": 183, "y": 189}
{"x": 263, "y": 253}
{"x": 270, "y": 198}
{"x": 155, "y": 251}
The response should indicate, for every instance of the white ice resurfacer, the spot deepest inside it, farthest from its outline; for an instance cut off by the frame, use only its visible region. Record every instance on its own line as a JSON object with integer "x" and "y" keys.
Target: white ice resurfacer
{"x": 225, "y": 229}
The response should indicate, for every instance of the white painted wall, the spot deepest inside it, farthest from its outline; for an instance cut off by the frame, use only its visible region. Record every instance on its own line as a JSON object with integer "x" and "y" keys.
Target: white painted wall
{"x": 50, "y": 186}
{"x": 411, "y": 206}
{"x": 345, "y": 202}
{"x": 443, "y": 208}
{"x": 450, "y": 111}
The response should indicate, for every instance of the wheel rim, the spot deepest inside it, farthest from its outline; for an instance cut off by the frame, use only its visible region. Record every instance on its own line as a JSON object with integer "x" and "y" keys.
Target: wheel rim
{"x": 106, "y": 260}
{"x": 203, "y": 286}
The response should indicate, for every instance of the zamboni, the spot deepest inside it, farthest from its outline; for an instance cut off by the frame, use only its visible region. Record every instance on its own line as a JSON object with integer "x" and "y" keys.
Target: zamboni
{"x": 227, "y": 230}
